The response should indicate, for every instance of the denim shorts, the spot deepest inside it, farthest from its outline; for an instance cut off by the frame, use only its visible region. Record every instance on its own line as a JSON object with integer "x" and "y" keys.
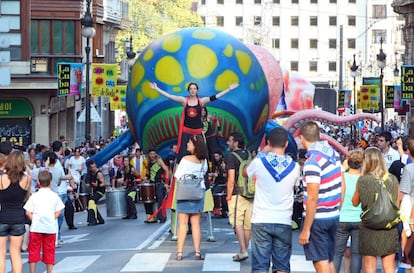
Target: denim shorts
{"x": 322, "y": 240}
{"x": 13, "y": 230}
{"x": 271, "y": 241}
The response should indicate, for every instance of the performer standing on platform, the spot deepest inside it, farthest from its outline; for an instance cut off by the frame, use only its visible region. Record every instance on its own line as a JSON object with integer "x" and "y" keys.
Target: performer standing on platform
{"x": 191, "y": 119}
{"x": 156, "y": 167}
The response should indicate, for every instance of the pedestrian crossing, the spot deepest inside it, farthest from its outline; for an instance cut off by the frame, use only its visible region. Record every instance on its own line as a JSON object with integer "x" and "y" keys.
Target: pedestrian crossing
{"x": 157, "y": 262}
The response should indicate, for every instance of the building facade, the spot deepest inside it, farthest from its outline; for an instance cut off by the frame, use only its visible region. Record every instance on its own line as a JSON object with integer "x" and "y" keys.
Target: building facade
{"x": 316, "y": 38}
{"x": 42, "y": 33}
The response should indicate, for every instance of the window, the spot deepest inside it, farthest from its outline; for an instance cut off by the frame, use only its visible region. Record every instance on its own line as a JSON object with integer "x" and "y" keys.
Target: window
{"x": 313, "y": 43}
{"x": 220, "y": 21}
{"x": 203, "y": 18}
{"x": 352, "y": 1}
{"x": 379, "y": 11}
{"x": 332, "y": 1}
{"x": 203, "y": 2}
{"x": 239, "y": 20}
{"x": 276, "y": 20}
{"x": 295, "y": 1}
{"x": 313, "y": 66}
{"x": 332, "y": 43}
{"x": 294, "y": 20}
{"x": 351, "y": 43}
{"x": 12, "y": 11}
{"x": 257, "y": 1}
{"x": 275, "y": 43}
{"x": 294, "y": 43}
{"x": 239, "y": 1}
{"x": 294, "y": 66}
{"x": 257, "y": 20}
{"x": 332, "y": 66}
{"x": 313, "y": 21}
{"x": 377, "y": 34}
{"x": 276, "y": 1}
{"x": 314, "y": 1}
{"x": 51, "y": 38}
{"x": 332, "y": 20}
{"x": 221, "y": 2}
{"x": 351, "y": 20}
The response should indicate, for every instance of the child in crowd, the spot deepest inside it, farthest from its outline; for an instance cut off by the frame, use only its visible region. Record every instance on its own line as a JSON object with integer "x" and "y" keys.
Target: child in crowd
{"x": 43, "y": 208}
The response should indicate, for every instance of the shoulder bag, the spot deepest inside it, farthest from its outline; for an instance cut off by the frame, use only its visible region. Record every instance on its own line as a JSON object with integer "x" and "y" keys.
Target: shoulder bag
{"x": 383, "y": 213}
{"x": 189, "y": 187}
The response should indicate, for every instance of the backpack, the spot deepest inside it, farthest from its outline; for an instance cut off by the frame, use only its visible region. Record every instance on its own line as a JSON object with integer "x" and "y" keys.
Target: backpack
{"x": 245, "y": 185}
{"x": 383, "y": 213}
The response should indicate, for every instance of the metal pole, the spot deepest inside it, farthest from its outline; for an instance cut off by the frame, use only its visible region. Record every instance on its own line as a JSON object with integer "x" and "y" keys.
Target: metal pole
{"x": 382, "y": 101}
{"x": 87, "y": 98}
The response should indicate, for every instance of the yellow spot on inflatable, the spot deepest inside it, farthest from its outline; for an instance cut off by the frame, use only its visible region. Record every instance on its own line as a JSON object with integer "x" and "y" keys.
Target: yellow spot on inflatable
{"x": 168, "y": 70}
{"x": 225, "y": 79}
{"x": 228, "y": 51}
{"x": 140, "y": 98}
{"x": 172, "y": 43}
{"x": 201, "y": 61}
{"x": 176, "y": 89}
{"x": 148, "y": 55}
{"x": 137, "y": 73}
{"x": 251, "y": 85}
{"x": 148, "y": 91}
{"x": 203, "y": 34}
{"x": 244, "y": 61}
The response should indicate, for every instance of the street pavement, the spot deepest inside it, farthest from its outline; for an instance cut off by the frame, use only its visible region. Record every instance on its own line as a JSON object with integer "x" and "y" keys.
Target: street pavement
{"x": 133, "y": 246}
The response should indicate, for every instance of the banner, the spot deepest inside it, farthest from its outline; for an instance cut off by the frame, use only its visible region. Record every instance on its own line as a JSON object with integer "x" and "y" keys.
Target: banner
{"x": 104, "y": 79}
{"x": 118, "y": 101}
{"x": 341, "y": 100}
{"x": 397, "y": 97}
{"x": 389, "y": 96}
{"x": 69, "y": 78}
{"x": 369, "y": 98}
{"x": 407, "y": 82}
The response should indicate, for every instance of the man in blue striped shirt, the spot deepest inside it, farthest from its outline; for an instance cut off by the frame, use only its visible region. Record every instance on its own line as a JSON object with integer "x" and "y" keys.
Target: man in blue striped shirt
{"x": 322, "y": 181}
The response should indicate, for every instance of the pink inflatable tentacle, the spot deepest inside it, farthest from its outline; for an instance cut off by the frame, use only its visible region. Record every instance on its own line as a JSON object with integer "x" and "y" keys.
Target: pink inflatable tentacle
{"x": 294, "y": 121}
{"x": 335, "y": 144}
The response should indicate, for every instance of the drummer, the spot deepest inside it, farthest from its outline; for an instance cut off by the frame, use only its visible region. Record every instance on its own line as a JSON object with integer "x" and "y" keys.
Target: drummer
{"x": 127, "y": 176}
{"x": 156, "y": 169}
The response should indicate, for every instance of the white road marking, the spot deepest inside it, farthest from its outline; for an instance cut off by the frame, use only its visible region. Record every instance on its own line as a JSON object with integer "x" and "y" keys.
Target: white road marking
{"x": 220, "y": 262}
{"x": 74, "y": 264}
{"x": 145, "y": 262}
{"x": 154, "y": 235}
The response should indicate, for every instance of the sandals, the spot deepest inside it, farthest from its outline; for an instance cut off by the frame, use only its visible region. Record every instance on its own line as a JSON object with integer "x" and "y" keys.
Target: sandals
{"x": 198, "y": 256}
{"x": 239, "y": 257}
{"x": 179, "y": 256}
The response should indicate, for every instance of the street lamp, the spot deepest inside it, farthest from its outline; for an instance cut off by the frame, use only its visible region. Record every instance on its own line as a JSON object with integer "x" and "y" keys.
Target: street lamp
{"x": 354, "y": 73}
{"x": 88, "y": 31}
{"x": 381, "y": 64}
{"x": 396, "y": 70}
{"x": 130, "y": 53}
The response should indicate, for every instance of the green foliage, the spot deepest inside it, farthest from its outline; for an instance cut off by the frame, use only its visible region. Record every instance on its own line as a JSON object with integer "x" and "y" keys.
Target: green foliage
{"x": 150, "y": 19}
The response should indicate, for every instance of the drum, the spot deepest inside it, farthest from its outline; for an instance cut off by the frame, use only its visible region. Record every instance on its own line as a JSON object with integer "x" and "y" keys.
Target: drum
{"x": 218, "y": 200}
{"x": 147, "y": 191}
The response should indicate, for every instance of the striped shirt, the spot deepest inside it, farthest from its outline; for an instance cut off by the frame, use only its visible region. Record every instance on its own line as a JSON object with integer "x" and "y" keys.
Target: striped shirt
{"x": 323, "y": 167}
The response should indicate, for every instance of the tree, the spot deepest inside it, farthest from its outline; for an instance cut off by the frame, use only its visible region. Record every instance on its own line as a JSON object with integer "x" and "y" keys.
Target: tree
{"x": 150, "y": 19}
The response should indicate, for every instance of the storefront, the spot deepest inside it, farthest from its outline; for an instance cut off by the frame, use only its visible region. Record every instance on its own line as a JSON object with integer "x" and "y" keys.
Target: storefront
{"x": 16, "y": 116}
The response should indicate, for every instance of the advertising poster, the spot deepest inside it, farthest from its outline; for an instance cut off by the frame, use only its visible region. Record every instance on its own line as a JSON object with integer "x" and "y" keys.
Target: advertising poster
{"x": 69, "y": 79}
{"x": 104, "y": 79}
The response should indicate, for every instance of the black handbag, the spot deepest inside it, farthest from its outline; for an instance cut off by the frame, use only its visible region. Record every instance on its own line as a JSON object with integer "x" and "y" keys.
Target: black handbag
{"x": 189, "y": 187}
{"x": 383, "y": 213}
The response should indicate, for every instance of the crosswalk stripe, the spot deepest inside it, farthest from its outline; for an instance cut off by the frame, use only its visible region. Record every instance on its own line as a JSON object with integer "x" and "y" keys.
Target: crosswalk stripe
{"x": 220, "y": 262}
{"x": 8, "y": 264}
{"x": 74, "y": 264}
{"x": 144, "y": 262}
{"x": 298, "y": 263}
